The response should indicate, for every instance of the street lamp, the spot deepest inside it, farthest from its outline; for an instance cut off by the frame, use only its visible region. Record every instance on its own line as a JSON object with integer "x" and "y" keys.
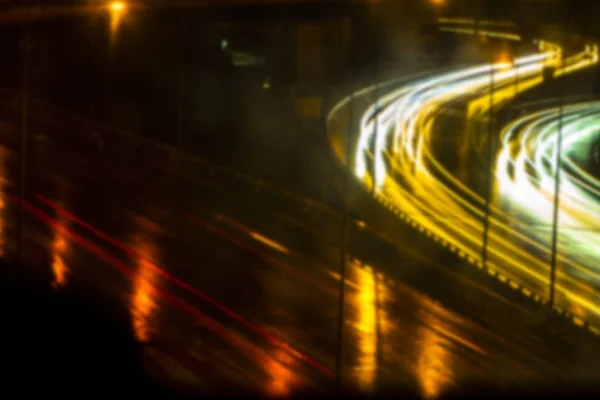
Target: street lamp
{"x": 116, "y": 9}
{"x": 117, "y": 6}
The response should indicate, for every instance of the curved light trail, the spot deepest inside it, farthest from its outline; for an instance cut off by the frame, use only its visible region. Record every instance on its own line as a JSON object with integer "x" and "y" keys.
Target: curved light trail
{"x": 527, "y": 169}
{"x": 397, "y": 158}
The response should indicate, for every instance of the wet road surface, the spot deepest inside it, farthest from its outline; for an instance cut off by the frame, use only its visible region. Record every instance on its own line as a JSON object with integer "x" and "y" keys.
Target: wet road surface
{"x": 223, "y": 291}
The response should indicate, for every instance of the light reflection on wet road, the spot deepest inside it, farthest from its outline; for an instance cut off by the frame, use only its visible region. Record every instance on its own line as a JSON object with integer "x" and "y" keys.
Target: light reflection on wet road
{"x": 143, "y": 300}
{"x": 221, "y": 302}
{"x": 364, "y": 322}
{"x": 59, "y": 268}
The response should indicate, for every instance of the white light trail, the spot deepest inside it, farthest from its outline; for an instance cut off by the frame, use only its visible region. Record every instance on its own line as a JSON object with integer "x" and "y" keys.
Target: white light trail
{"x": 410, "y": 180}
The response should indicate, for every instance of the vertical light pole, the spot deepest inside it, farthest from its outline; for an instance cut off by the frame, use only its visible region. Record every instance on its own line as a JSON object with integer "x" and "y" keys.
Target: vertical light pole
{"x": 25, "y": 46}
{"x": 379, "y": 51}
{"x": 488, "y": 183}
{"x": 377, "y": 74}
{"x": 557, "y": 173}
{"x": 343, "y": 244}
{"x": 181, "y": 78}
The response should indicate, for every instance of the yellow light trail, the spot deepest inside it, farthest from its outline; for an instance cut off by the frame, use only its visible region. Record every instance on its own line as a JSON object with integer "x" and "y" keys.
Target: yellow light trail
{"x": 493, "y": 34}
{"x": 482, "y": 22}
{"x": 579, "y": 191}
{"x": 415, "y": 185}
{"x": 266, "y": 241}
{"x": 254, "y": 235}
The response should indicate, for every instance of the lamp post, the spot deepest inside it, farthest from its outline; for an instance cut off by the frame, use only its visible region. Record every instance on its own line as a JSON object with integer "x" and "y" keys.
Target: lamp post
{"x": 25, "y": 46}
{"x": 557, "y": 173}
{"x": 488, "y": 183}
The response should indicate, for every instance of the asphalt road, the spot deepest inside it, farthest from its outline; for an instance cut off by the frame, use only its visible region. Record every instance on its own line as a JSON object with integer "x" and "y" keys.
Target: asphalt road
{"x": 224, "y": 290}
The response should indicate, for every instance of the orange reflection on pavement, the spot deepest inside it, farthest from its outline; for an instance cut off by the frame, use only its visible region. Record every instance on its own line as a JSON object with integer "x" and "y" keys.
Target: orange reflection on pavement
{"x": 434, "y": 365}
{"x": 143, "y": 301}
{"x": 364, "y": 300}
{"x": 282, "y": 379}
{"x": 60, "y": 270}
{"x": 383, "y": 320}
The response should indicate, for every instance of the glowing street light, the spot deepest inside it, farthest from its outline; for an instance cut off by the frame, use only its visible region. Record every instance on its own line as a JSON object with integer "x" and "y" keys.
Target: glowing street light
{"x": 117, "y": 6}
{"x": 116, "y": 9}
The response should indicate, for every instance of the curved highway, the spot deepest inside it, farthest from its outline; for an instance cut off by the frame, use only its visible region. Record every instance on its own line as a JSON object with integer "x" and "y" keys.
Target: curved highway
{"x": 401, "y": 157}
{"x": 526, "y": 172}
